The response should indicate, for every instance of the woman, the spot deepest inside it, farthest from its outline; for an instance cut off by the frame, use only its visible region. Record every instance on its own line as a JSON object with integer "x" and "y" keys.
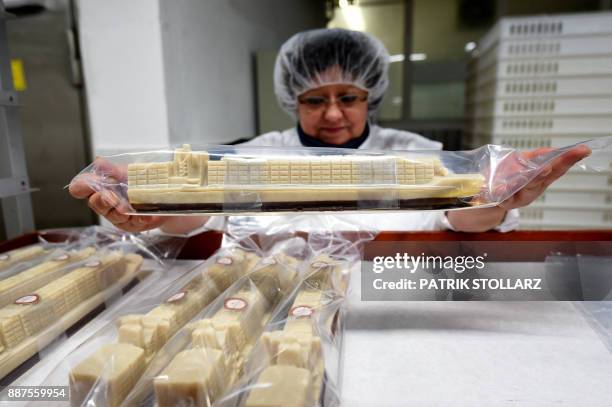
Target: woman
{"x": 332, "y": 81}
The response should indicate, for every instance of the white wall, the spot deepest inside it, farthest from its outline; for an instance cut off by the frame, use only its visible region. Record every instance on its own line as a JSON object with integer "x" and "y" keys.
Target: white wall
{"x": 161, "y": 72}
{"x": 209, "y": 51}
{"x": 121, "y": 47}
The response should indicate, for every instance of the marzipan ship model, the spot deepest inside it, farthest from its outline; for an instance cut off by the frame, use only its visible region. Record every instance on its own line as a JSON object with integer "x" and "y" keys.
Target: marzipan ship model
{"x": 116, "y": 367}
{"x": 296, "y": 372}
{"x": 32, "y": 321}
{"x": 196, "y": 181}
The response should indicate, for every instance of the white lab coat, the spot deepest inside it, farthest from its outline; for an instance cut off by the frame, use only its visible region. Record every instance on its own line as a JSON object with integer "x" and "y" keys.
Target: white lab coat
{"x": 379, "y": 139}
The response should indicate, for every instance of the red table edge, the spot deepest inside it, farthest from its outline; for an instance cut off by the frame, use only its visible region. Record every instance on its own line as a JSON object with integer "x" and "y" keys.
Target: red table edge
{"x": 203, "y": 245}
{"x": 519, "y": 235}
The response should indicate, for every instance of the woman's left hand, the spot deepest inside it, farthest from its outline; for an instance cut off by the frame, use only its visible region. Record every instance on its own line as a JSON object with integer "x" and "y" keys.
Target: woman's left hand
{"x": 483, "y": 219}
{"x": 549, "y": 174}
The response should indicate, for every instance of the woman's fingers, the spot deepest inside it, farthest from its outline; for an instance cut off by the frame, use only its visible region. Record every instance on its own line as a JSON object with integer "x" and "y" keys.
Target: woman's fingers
{"x": 84, "y": 185}
{"x": 109, "y": 170}
{"x": 150, "y": 222}
{"x": 130, "y": 227}
{"x": 116, "y": 217}
{"x": 130, "y": 223}
{"x": 563, "y": 163}
{"x": 141, "y": 223}
{"x": 550, "y": 172}
{"x": 531, "y": 154}
{"x": 547, "y": 176}
{"x": 544, "y": 173}
{"x": 81, "y": 186}
{"x": 106, "y": 203}
{"x": 103, "y": 202}
{"x": 99, "y": 205}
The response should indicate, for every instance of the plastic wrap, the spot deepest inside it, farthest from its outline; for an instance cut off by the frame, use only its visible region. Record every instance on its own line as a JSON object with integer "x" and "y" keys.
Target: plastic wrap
{"x": 297, "y": 361}
{"x": 44, "y": 296}
{"x": 194, "y": 341}
{"x": 229, "y": 180}
{"x": 15, "y": 261}
{"x": 133, "y": 334}
{"x": 155, "y": 246}
{"x": 209, "y": 354}
{"x": 22, "y": 255}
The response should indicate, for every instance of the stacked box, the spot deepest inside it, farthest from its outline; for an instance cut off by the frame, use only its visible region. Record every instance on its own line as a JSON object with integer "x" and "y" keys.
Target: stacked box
{"x": 544, "y": 81}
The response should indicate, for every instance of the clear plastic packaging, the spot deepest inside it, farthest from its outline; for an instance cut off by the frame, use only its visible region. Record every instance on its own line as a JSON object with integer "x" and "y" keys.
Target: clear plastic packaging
{"x": 237, "y": 179}
{"x": 17, "y": 260}
{"x": 208, "y": 355}
{"x": 195, "y": 341}
{"x": 44, "y": 297}
{"x": 298, "y": 359}
{"x": 103, "y": 369}
{"x": 10, "y": 259}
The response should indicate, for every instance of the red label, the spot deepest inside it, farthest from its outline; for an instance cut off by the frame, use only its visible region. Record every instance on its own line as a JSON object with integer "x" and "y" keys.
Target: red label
{"x": 268, "y": 261}
{"x": 235, "y": 304}
{"x": 225, "y": 260}
{"x": 61, "y": 257}
{"x": 301, "y": 311}
{"x": 177, "y": 297}
{"x": 319, "y": 264}
{"x": 27, "y": 299}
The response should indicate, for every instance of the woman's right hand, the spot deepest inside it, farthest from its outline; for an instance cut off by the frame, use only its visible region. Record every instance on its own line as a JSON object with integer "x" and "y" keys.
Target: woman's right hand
{"x": 106, "y": 203}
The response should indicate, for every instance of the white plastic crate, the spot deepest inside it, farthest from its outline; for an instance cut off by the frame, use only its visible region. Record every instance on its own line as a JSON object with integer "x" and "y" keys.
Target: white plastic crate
{"x": 528, "y": 141}
{"x": 565, "y": 215}
{"x": 539, "y": 126}
{"x": 566, "y": 87}
{"x": 584, "y": 178}
{"x": 477, "y": 140}
{"x": 556, "y": 195}
{"x": 546, "y": 68}
{"x": 567, "y": 225}
{"x": 546, "y": 81}
{"x": 547, "y": 26}
{"x": 596, "y": 177}
{"x": 598, "y": 161}
{"x": 555, "y": 47}
{"x": 542, "y": 107}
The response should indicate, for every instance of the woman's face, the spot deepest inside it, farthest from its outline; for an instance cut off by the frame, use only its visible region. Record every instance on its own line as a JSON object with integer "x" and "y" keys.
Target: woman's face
{"x": 334, "y": 114}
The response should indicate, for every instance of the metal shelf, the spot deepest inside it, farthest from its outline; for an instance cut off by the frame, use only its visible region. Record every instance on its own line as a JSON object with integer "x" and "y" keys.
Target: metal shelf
{"x": 14, "y": 185}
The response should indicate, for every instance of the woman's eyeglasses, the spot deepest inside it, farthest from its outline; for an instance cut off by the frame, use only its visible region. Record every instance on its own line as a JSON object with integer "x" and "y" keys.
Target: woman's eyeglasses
{"x": 343, "y": 102}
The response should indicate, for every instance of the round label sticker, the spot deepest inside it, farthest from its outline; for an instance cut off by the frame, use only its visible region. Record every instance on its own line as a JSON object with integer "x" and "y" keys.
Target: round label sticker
{"x": 4, "y": 257}
{"x": 93, "y": 263}
{"x": 235, "y": 304}
{"x": 319, "y": 264}
{"x": 269, "y": 261}
{"x": 302, "y": 311}
{"x": 177, "y": 297}
{"x": 27, "y": 299}
{"x": 225, "y": 260}
{"x": 61, "y": 257}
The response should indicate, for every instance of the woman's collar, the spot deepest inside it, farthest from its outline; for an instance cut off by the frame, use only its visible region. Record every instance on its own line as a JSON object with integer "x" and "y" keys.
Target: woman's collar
{"x": 309, "y": 141}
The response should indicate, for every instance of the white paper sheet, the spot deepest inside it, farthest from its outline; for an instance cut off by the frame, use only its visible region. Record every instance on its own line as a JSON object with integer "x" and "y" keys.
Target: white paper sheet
{"x": 472, "y": 354}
